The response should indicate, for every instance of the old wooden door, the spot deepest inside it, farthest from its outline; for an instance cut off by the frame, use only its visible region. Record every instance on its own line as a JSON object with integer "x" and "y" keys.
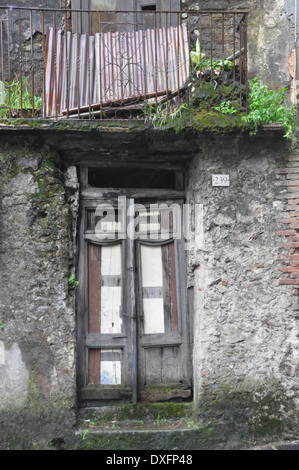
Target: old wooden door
{"x": 132, "y": 304}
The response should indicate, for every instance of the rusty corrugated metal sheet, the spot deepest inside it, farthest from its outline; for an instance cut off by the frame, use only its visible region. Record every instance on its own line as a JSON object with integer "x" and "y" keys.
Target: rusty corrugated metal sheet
{"x": 111, "y": 68}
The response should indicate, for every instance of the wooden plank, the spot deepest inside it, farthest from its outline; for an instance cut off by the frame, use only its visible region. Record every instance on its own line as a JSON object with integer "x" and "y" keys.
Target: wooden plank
{"x": 112, "y": 280}
{"x": 111, "y": 321}
{"x": 153, "y": 366}
{"x": 131, "y": 364}
{"x": 94, "y": 287}
{"x": 173, "y": 288}
{"x": 153, "y": 396}
{"x": 111, "y": 260}
{"x": 94, "y": 366}
{"x": 94, "y": 301}
{"x": 152, "y": 292}
{"x": 105, "y": 340}
{"x": 171, "y": 365}
{"x": 166, "y": 288}
{"x": 151, "y": 266}
{"x": 171, "y": 338}
{"x": 102, "y": 393}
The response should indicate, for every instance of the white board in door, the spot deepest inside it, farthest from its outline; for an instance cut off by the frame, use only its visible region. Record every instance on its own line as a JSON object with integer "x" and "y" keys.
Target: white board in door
{"x": 152, "y": 276}
{"x": 111, "y": 295}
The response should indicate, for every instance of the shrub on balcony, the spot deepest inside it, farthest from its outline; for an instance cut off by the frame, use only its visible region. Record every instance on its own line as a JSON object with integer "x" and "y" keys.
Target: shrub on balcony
{"x": 17, "y": 96}
{"x": 268, "y": 107}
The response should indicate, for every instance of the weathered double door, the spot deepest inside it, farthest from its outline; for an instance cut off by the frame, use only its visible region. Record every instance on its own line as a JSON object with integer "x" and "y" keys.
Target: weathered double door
{"x": 133, "y": 320}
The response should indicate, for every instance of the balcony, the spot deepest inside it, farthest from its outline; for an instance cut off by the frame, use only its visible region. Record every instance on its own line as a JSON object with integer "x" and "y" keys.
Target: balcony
{"x": 87, "y": 64}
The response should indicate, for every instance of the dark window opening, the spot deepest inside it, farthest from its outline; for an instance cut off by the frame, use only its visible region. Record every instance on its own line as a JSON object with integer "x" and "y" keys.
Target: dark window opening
{"x": 149, "y": 8}
{"x": 131, "y": 178}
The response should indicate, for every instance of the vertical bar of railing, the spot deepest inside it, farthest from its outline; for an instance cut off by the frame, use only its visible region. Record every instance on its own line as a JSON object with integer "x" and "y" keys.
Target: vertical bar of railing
{"x": 246, "y": 62}
{"x": 112, "y": 83}
{"x": 8, "y": 61}
{"x": 137, "y": 90}
{"x": 241, "y": 62}
{"x": 88, "y": 63}
{"x": 67, "y": 66}
{"x": 167, "y": 62}
{"x": 234, "y": 47}
{"x": 128, "y": 67}
{"x": 211, "y": 27}
{"x": 178, "y": 57}
{"x": 190, "y": 66}
{"x": 156, "y": 59}
{"x": 77, "y": 64}
{"x": 44, "y": 64}
{"x": 144, "y": 59}
{"x": 32, "y": 64}
{"x": 55, "y": 93}
{"x": 200, "y": 42}
{"x": 222, "y": 38}
{"x": 100, "y": 66}
{"x": 1, "y": 49}
{"x": 121, "y": 48}
{"x": 21, "y": 65}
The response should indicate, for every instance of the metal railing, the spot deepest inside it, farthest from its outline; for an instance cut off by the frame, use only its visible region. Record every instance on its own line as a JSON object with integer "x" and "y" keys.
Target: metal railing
{"x": 63, "y": 64}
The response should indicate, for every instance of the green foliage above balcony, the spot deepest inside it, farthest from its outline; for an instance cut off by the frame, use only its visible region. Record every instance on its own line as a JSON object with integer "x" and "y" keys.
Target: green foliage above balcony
{"x": 267, "y": 106}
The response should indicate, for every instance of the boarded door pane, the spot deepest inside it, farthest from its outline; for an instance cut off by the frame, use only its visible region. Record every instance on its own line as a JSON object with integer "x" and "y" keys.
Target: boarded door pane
{"x": 105, "y": 289}
{"x": 152, "y": 285}
{"x": 111, "y": 367}
{"x": 105, "y": 366}
{"x": 159, "y": 289}
{"x": 111, "y": 291}
{"x": 162, "y": 365}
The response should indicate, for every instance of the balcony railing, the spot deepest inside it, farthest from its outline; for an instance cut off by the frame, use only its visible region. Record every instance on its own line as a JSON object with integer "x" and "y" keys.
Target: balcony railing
{"x": 62, "y": 64}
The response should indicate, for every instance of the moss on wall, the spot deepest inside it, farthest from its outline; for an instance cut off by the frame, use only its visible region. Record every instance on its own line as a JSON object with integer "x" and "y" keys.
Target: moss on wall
{"x": 257, "y": 409}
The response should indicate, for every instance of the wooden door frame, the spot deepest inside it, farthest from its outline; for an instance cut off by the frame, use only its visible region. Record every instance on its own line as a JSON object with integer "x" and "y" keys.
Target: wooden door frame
{"x": 89, "y": 198}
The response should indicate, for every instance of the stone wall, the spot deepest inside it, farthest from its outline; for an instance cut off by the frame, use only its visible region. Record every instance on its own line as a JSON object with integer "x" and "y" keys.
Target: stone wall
{"x": 245, "y": 327}
{"x": 245, "y": 323}
{"x": 37, "y": 342}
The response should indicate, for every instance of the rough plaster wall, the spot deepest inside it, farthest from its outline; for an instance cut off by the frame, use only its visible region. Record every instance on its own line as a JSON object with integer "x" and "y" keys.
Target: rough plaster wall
{"x": 14, "y": 376}
{"x": 271, "y": 40}
{"x": 246, "y": 326}
{"x": 38, "y": 339}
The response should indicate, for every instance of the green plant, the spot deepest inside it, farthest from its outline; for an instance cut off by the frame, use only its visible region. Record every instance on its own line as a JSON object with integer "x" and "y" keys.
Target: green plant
{"x": 267, "y": 106}
{"x": 72, "y": 282}
{"x": 197, "y": 56}
{"x": 160, "y": 420}
{"x": 162, "y": 116}
{"x": 1, "y": 326}
{"x": 226, "y": 108}
{"x": 192, "y": 425}
{"x": 200, "y": 61}
{"x": 17, "y": 96}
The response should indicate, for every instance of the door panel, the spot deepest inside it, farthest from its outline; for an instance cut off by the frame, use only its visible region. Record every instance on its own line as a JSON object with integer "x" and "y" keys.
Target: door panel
{"x": 162, "y": 327}
{"x": 162, "y": 365}
{"x": 133, "y": 327}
